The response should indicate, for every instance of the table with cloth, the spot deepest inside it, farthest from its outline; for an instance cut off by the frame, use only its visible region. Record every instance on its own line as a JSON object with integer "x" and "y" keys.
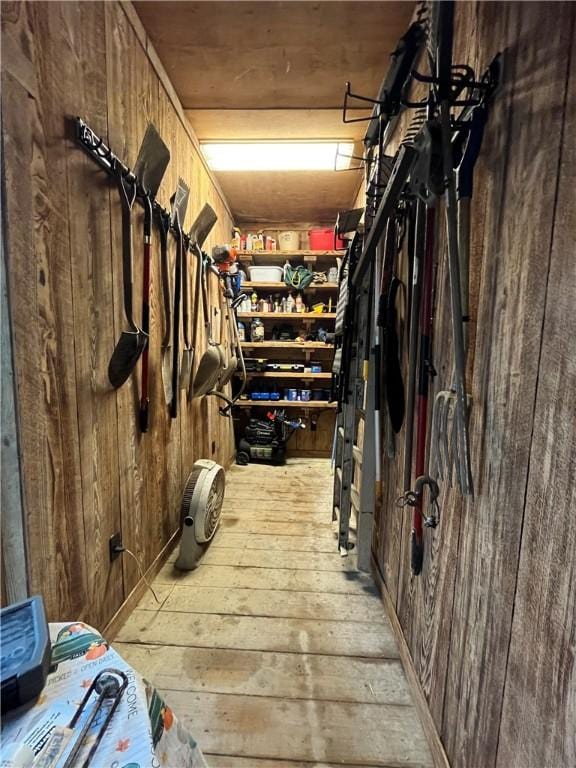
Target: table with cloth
{"x": 143, "y": 733}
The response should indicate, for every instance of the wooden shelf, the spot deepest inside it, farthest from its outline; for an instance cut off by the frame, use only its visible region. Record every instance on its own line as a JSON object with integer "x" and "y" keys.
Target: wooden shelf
{"x": 279, "y": 257}
{"x": 285, "y": 345}
{"x": 316, "y": 404}
{"x": 288, "y": 315}
{"x": 286, "y": 375}
{"x": 248, "y": 285}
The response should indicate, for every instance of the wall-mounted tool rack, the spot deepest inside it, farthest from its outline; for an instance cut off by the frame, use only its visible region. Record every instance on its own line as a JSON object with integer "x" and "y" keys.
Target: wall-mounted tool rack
{"x": 96, "y": 148}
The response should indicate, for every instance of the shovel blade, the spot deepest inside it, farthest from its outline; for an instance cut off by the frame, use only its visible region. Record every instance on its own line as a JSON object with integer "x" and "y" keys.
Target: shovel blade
{"x": 203, "y": 225}
{"x": 152, "y": 161}
{"x": 167, "y": 373}
{"x": 126, "y": 353}
{"x": 186, "y": 368}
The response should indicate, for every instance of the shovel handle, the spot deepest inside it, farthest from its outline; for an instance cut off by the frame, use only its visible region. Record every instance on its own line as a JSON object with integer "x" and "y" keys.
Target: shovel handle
{"x": 416, "y": 553}
{"x": 127, "y": 197}
{"x": 185, "y": 298}
{"x": 165, "y": 272}
{"x": 176, "y": 319}
{"x": 144, "y": 401}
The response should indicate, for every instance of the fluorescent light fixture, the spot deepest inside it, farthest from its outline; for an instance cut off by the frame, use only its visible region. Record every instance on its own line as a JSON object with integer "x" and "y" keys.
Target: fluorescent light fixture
{"x": 278, "y": 155}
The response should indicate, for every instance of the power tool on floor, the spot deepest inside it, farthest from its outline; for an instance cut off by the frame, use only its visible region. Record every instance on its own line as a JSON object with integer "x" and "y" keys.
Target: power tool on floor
{"x": 265, "y": 440}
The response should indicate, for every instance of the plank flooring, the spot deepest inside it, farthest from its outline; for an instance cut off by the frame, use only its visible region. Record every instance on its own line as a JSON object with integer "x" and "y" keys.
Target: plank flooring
{"x": 275, "y": 651}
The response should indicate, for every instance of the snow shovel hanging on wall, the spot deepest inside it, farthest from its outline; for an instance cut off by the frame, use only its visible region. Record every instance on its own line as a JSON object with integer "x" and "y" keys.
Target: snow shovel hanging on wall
{"x": 132, "y": 342}
{"x": 198, "y": 234}
{"x": 150, "y": 167}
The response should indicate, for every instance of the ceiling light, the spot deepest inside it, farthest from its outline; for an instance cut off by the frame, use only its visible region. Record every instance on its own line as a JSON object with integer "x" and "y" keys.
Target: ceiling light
{"x": 278, "y": 155}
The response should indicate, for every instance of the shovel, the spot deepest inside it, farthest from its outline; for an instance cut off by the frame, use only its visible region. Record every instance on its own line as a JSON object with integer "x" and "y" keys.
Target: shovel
{"x": 167, "y": 297}
{"x": 132, "y": 342}
{"x": 211, "y": 362}
{"x": 151, "y": 164}
{"x": 202, "y": 226}
{"x": 187, "y": 352}
{"x": 199, "y": 231}
{"x": 179, "y": 203}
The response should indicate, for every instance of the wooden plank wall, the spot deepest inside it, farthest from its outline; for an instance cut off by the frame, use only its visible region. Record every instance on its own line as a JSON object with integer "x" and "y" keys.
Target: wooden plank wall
{"x": 87, "y": 472}
{"x": 490, "y": 623}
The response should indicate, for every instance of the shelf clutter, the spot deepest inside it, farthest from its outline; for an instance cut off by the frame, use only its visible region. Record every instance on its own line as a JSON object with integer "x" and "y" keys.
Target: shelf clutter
{"x": 312, "y": 404}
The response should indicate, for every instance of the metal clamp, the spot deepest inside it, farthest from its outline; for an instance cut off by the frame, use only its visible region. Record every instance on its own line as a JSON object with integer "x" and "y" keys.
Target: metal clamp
{"x": 412, "y": 498}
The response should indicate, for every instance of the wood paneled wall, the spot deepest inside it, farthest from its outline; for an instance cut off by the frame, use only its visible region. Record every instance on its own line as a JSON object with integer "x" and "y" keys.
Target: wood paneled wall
{"x": 491, "y": 620}
{"x": 87, "y": 472}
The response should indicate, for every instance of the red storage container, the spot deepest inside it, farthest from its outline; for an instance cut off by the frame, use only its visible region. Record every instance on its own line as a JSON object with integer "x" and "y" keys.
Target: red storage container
{"x": 323, "y": 240}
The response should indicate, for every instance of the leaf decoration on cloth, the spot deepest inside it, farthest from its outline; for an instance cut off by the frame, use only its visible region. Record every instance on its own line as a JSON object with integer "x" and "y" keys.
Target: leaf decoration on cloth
{"x": 122, "y": 745}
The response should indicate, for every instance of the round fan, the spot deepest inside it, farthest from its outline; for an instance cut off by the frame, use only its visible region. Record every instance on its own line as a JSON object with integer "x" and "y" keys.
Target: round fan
{"x": 200, "y": 511}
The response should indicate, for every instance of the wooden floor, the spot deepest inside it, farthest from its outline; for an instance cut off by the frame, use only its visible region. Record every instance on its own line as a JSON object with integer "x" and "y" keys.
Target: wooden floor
{"x": 275, "y": 651}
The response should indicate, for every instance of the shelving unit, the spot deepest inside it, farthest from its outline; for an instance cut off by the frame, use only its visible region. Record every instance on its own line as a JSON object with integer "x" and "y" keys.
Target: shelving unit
{"x": 279, "y": 257}
{"x": 277, "y": 287}
{"x": 288, "y": 375}
{"x": 310, "y": 404}
{"x": 288, "y": 315}
{"x": 304, "y": 345}
{"x": 319, "y": 414}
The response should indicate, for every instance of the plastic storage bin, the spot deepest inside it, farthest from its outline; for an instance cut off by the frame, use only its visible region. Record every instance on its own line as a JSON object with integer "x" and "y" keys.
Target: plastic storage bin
{"x": 289, "y": 241}
{"x": 266, "y": 274}
{"x": 323, "y": 240}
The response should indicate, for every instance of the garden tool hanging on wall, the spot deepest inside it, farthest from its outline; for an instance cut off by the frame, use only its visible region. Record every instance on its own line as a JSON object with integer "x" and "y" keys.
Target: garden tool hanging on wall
{"x": 212, "y": 361}
{"x": 199, "y": 231}
{"x": 151, "y": 163}
{"x": 179, "y": 203}
{"x": 466, "y": 148}
{"x": 132, "y": 342}
{"x": 166, "y": 348}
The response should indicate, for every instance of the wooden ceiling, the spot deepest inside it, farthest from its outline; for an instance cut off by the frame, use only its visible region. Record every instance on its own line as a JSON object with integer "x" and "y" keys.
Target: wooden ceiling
{"x": 275, "y": 70}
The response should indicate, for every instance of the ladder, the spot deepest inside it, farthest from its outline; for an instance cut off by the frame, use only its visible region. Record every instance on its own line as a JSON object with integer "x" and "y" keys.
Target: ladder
{"x": 355, "y": 442}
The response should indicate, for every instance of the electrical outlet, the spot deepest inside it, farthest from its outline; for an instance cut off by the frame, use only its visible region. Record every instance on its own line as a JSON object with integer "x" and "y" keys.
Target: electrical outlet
{"x": 114, "y": 543}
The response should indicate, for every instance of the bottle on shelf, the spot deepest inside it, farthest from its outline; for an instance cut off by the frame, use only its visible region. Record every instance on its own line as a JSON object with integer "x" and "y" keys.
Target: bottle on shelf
{"x": 241, "y": 331}
{"x": 236, "y": 238}
{"x": 254, "y": 302}
{"x": 298, "y": 303}
{"x": 290, "y": 303}
{"x": 257, "y": 330}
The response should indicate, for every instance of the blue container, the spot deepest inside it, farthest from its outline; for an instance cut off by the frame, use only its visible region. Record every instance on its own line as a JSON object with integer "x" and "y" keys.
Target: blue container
{"x": 292, "y": 394}
{"x": 315, "y": 369}
{"x": 305, "y": 395}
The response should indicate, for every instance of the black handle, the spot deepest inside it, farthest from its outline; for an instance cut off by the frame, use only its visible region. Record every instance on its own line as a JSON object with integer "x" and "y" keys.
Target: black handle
{"x": 165, "y": 270}
{"x": 127, "y": 198}
{"x": 416, "y": 554}
{"x": 144, "y": 411}
{"x": 176, "y": 320}
{"x": 471, "y": 150}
